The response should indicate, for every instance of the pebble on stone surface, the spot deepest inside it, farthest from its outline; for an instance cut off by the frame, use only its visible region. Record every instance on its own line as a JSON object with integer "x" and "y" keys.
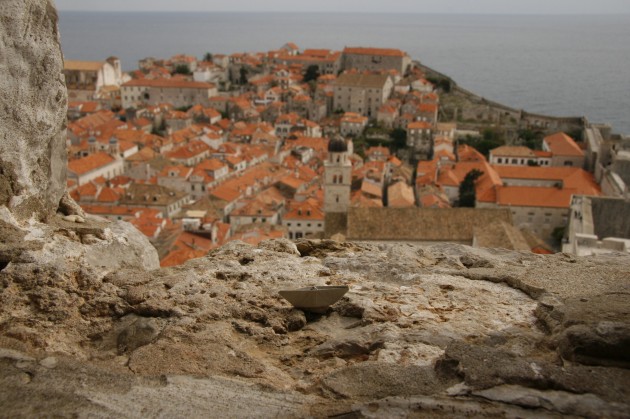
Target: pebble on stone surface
{"x": 74, "y": 218}
{"x": 50, "y": 362}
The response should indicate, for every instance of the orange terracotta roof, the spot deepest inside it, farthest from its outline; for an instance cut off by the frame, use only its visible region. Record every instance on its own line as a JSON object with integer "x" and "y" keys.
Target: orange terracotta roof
{"x": 109, "y": 194}
{"x": 539, "y": 153}
{"x": 89, "y": 163}
{"x": 374, "y": 51}
{"x": 306, "y": 210}
{"x": 226, "y": 192}
{"x": 292, "y": 182}
{"x": 371, "y": 188}
{"x": 180, "y": 256}
{"x": 561, "y": 144}
{"x": 433, "y": 201}
{"x": 387, "y": 109}
{"x": 354, "y": 118}
{"x": 444, "y": 154}
{"x": 178, "y": 170}
{"x": 394, "y": 161}
{"x": 318, "y": 144}
{"x": 400, "y": 195}
{"x": 512, "y": 151}
{"x": 571, "y": 177}
{"x": 426, "y": 172}
{"x": 169, "y": 84}
{"x": 454, "y": 175}
{"x": 360, "y": 200}
{"x": 144, "y": 155}
{"x": 428, "y": 107}
{"x": 211, "y": 165}
{"x": 89, "y": 189}
{"x": 316, "y": 52}
{"x": 73, "y": 65}
{"x": 254, "y": 207}
{"x": 419, "y": 125}
{"x": 532, "y": 196}
{"x": 467, "y": 153}
{"x": 192, "y": 149}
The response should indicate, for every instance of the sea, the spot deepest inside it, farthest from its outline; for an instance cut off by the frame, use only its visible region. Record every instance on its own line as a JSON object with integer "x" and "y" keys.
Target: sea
{"x": 561, "y": 65}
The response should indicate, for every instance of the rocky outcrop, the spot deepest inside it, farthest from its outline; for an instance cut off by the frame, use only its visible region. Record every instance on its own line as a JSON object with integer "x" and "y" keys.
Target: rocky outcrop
{"x": 32, "y": 110}
{"x": 447, "y": 329}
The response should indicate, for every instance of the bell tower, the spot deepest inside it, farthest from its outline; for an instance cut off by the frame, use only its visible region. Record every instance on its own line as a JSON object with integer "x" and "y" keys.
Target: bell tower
{"x": 337, "y": 181}
{"x": 337, "y": 177}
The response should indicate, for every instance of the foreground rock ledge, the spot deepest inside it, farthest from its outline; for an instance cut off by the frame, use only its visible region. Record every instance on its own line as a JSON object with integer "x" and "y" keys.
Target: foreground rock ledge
{"x": 445, "y": 329}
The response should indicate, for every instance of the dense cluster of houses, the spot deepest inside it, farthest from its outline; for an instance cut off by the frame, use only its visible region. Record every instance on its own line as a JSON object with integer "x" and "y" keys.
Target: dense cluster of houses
{"x": 196, "y": 153}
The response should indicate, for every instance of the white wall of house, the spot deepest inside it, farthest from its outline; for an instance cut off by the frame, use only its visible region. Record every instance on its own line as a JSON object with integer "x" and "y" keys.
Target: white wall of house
{"x": 240, "y": 220}
{"x": 107, "y": 171}
{"x": 298, "y": 228}
{"x": 519, "y": 160}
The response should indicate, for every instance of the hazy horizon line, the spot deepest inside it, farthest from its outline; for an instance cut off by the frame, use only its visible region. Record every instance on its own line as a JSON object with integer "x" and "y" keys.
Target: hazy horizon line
{"x": 345, "y": 12}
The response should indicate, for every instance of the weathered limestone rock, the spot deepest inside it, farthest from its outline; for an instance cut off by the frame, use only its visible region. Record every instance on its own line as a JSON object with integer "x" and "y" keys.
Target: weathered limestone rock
{"x": 51, "y": 279}
{"x": 442, "y": 327}
{"x": 32, "y": 110}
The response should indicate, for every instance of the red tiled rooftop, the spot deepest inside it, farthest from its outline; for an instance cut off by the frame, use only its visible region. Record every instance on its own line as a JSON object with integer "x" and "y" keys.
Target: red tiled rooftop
{"x": 374, "y": 51}
{"x": 89, "y": 163}
{"x": 168, "y": 84}
{"x": 563, "y": 145}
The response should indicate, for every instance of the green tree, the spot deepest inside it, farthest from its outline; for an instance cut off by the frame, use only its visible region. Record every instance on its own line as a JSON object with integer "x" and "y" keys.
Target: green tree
{"x": 491, "y": 138}
{"x": 399, "y": 138}
{"x": 442, "y": 83}
{"x": 577, "y": 134}
{"x": 243, "y": 72}
{"x": 207, "y": 57}
{"x": 312, "y": 73}
{"x": 558, "y": 234}
{"x": 467, "y": 195}
{"x": 182, "y": 69}
{"x": 530, "y": 138}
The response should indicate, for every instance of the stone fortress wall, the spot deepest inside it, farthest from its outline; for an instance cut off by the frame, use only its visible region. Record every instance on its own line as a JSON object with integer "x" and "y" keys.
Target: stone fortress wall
{"x": 493, "y": 111}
